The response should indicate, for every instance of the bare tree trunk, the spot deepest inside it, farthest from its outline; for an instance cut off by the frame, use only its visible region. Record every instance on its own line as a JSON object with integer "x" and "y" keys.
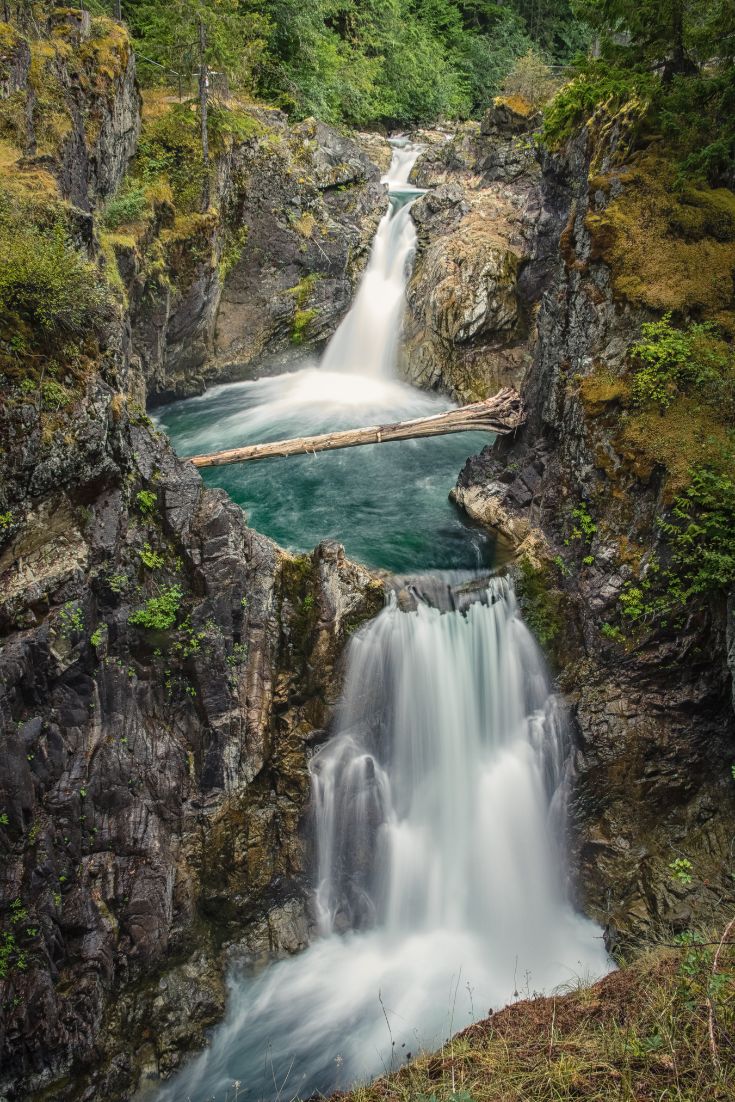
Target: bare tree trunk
{"x": 501, "y": 414}
{"x": 203, "y": 98}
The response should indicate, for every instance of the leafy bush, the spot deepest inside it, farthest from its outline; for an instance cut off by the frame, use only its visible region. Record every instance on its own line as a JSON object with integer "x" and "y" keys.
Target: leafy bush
{"x": 125, "y": 208}
{"x": 669, "y": 361}
{"x": 702, "y": 533}
{"x": 160, "y": 612}
{"x": 596, "y": 84}
{"x": 146, "y": 500}
{"x": 44, "y": 281}
{"x": 531, "y": 79}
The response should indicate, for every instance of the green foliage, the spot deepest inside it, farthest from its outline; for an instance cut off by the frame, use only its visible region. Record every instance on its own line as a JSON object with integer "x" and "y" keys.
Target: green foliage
{"x": 584, "y": 526}
{"x": 161, "y": 612}
{"x": 96, "y": 637}
{"x": 117, "y": 582}
{"x": 531, "y": 79}
{"x": 147, "y": 501}
{"x": 125, "y": 208}
{"x": 672, "y": 62}
{"x": 168, "y": 34}
{"x": 595, "y": 83}
{"x": 356, "y": 61}
{"x": 681, "y": 870}
{"x": 670, "y": 361}
{"x": 611, "y": 631}
{"x": 150, "y": 558}
{"x": 540, "y": 603}
{"x": 47, "y": 288}
{"x": 170, "y": 149}
{"x": 72, "y": 620}
{"x": 702, "y": 534}
{"x": 6, "y": 521}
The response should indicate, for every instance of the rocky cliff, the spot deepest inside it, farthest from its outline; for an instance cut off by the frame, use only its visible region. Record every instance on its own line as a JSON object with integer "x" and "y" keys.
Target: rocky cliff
{"x": 584, "y": 496}
{"x": 164, "y": 670}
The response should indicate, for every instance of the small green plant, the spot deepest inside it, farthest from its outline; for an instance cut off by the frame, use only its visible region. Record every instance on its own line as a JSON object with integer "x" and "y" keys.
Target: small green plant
{"x": 125, "y": 208}
{"x": 585, "y": 527}
{"x": 53, "y": 395}
{"x": 150, "y": 558}
{"x": 18, "y": 913}
{"x": 6, "y": 520}
{"x": 681, "y": 870}
{"x": 96, "y": 637}
{"x": 161, "y": 612}
{"x": 4, "y": 820}
{"x": 239, "y": 654}
{"x": 117, "y": 582}
{"x": 72, "y": 620}
{"x": 612, "y": 632}
{"x": 589, "y": 560}
{"x": 147, "y": 501}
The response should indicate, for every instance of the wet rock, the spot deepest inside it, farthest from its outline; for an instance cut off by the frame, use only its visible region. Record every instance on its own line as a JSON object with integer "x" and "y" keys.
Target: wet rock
{"x": 654, "y": 718}
{"x": 303, "y": 202}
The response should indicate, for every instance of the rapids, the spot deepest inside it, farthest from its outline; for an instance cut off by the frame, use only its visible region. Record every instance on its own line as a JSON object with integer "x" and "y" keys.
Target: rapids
{"x": 438, "y": 802}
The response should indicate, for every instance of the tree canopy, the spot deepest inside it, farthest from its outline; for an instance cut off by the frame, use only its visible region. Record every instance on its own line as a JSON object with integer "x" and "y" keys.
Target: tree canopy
{"x": 359, "y": 61}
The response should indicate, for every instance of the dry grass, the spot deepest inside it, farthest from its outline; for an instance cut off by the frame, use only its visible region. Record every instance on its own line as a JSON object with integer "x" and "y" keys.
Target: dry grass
{"x": 640, "y": 1035}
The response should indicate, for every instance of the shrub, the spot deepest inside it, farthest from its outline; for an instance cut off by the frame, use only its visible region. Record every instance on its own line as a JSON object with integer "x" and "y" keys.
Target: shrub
{"x": 125, "y": 208}
{"x": 702, "y": 533}
{"x": 531, "y": 79}
{"x": 160, "y": 612}
{"x": 146, "y": 500}
{"x": 44, "y": 281}
{"x": 150, "y": 558}
{"x": 669, "y": 361}
{"x": 596, "y": 84}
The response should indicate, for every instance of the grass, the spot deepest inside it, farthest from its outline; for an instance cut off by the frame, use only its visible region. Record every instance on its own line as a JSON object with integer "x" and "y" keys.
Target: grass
{"x": 643, "y": 1034}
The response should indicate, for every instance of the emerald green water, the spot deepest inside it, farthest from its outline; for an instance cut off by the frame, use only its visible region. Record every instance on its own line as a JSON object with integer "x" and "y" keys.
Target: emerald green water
{"x": 387, "y": 503}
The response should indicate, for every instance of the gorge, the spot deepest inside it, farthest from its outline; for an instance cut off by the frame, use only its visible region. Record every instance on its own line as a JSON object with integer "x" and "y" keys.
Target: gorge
{"x": 311, "y": 766}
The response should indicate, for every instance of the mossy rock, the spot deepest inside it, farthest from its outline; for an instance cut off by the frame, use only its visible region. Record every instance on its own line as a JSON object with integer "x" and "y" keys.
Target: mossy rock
{"x": 667, "y": 251}
{"x": 706, "y": 212}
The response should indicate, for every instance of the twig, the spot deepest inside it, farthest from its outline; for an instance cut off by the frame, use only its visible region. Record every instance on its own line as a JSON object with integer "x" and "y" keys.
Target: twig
{"x": 710, "y": 1004}
{"x": 390, "y": 1031}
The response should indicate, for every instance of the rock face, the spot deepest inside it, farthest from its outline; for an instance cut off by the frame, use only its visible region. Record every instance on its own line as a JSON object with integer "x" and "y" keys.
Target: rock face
{"x": 270, "y": 277}
{"x": 165, "y": 671}
{"x": 654, "y": 718}
{"x": 481, "y": 261}
{"x": 74, "y": 104}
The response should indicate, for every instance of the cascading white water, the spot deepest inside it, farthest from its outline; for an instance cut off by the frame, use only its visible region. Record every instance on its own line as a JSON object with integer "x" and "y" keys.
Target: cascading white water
{"x": 438, "y": 850}
{"x": 366, "y": 342}
{"x": 439, "y": 882}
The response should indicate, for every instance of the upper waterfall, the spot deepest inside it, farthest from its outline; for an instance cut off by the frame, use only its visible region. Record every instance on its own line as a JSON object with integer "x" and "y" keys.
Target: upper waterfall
{"x": 366, "y": 342}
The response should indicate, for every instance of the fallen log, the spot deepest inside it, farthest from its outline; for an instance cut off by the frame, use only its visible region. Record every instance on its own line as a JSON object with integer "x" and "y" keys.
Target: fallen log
{"x": 503, "y": 413}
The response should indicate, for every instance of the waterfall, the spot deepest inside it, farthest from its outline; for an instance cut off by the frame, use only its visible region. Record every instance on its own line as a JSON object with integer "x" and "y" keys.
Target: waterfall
{"x": 433, "y": 801}
{"x": 366, "y": 342}
{"x": 439, "y": 880}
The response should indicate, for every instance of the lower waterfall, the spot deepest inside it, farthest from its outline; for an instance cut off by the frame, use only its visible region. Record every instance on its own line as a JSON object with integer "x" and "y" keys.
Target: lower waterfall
{"x": 440, "y": 885}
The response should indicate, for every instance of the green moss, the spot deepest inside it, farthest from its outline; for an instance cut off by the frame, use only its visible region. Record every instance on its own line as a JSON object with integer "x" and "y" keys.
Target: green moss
{"x": 298, "y": 576}
{"x": 540, "y": 601}
{"x": 304, "y": 289}
{"x": 667, "y": 251}
{"x": 301, "y": 321}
